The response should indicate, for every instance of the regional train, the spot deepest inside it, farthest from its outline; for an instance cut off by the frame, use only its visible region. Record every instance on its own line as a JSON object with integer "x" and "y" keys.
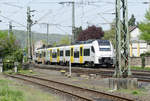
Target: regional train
{"x": 88, "y": 53}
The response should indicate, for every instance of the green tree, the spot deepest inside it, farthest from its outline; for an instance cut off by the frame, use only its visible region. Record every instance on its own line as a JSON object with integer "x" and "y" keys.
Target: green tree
{"x": 8, "y": 44}
{"x": 110, "y": 34}
{"x": 132, "y": 20}
{"x": 78, "y": 30}
{"x": 145, "y": 28}
{"x": 10, "y": 50}
{"x": 65, "y": 40}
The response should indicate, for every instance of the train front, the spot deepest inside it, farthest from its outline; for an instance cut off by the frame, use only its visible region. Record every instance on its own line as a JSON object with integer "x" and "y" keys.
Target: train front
{"x": 104, "y": 52}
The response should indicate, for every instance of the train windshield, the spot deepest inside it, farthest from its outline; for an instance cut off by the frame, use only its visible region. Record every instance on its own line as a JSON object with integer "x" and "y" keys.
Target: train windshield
{"x": 104, "y": 49}
{"x": 103, "y": 43}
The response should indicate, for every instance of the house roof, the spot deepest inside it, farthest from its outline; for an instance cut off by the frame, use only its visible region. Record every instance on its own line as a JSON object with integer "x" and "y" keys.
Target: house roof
{"x": 131, "y": 28}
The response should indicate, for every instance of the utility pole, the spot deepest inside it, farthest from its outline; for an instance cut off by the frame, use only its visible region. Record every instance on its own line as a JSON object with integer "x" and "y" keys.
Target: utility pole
{"x": 47, "y": 32}
{"x": 122, "y": 66}
{"x": 47, "y": 28}
{"x": 10, "y": 28}
{"x": 73, "y": 18}
{"x": 73, "y": 21}
{"x": 29, "y": 39}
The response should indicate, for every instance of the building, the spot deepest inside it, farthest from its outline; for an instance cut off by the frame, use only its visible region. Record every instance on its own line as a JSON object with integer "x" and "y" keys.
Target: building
{"x": 137, "y": 46}
{"x": 38, "y": 44}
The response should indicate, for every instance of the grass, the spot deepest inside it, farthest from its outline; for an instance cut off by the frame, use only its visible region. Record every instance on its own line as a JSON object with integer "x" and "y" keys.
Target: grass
{"x": 29, "y": 72}
{"x": 135, "y": 92}
{"x": 140, "y": 68}
{"x": 12, "y": 91}
{"x": 9, "y": 94}
{"x": 26, "y": 72}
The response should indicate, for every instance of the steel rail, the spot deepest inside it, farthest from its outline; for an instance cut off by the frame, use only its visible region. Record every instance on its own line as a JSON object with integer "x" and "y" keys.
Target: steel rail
{"x": 47, "y": 86}
{"x": 96, "y": 93}
{"x": 141, "y": 75}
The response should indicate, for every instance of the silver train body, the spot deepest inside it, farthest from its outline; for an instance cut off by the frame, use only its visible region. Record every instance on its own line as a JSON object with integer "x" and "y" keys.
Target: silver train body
{"x": 90, "y": 53}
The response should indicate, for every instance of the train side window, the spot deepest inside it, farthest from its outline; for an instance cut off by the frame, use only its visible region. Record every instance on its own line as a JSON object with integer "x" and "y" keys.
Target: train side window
{"x": 86, "y": 52}
{"x": 71, "y": 51}
{"x": 54, "y": 55}
{"x": 92, "y": 48}
{"x": 37, "y": 55}
{"x": 67, "y": 53}
{"x": 76, "y": 54}
{"x": 81, "y": 49}
{"x": 61, "y": 53}
{"x": 40, "y": 55}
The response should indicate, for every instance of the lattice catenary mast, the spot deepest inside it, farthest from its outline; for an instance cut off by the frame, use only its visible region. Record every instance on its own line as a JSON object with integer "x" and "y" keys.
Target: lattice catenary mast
{"x": 122, "y": 66}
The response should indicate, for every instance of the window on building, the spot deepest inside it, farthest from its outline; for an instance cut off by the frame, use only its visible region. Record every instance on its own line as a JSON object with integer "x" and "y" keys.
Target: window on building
{"x": 76, "y": 54}
{"x": 67, "y": 53}
{"x": 86, "y": 52}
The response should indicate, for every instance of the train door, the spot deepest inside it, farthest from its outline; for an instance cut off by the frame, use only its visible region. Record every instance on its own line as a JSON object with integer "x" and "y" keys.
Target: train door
{"x": 43, "y": 56}
{"x": 81, "y": 54}
{"x": 58, "y": 55}
{"x": 72, "y": 54}
{"x": 92, "y": 55}
{"x": 38, "y": 59}
{"x": 50, "y": 55}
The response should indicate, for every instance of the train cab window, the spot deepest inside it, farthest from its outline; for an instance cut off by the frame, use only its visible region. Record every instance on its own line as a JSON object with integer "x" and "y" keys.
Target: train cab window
{"x": 67, "y": 53}
{"x": 71, "y": 51}
{"x": 61, "y": 53}
{"x": 76, "y": 54}
{"x": 81, "y": 49}
{"x": 93, "y": 50}
{"x": 86, "y": 52}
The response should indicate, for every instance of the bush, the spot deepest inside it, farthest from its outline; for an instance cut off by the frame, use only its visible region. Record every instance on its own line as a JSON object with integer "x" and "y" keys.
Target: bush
{"x": 8, "y": 62}
{"x": 143, "y": 55}
{"x": 143, "y": 61}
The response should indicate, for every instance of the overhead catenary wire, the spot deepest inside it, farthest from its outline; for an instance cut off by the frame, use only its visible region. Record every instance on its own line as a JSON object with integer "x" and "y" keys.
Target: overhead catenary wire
{"x": 12, "y": 20}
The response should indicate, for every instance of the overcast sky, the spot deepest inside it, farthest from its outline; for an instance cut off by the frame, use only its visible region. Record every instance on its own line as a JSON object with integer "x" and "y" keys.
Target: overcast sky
{"x": 88, "y": 12}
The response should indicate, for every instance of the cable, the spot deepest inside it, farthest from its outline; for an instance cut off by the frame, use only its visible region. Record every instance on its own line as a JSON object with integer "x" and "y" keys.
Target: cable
{"x": 12, "y": 5}
{"x": 12, "y": 20}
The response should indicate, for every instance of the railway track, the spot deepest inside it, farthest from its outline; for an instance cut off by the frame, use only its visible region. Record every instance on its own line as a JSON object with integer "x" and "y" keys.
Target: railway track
{"x": 77, "y": 93}
{"x": 143, "y": 76}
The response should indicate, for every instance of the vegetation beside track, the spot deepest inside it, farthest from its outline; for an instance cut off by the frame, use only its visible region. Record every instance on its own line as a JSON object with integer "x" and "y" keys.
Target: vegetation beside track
{"x": 135, "y": 92}
{"x": 29, "y": 72}
{"x": 12, "y": 91}
{"x": 140, "y": 68}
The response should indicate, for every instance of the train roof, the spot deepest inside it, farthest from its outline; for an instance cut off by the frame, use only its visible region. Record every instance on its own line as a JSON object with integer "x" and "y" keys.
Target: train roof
{"x": 102, "y": 42}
